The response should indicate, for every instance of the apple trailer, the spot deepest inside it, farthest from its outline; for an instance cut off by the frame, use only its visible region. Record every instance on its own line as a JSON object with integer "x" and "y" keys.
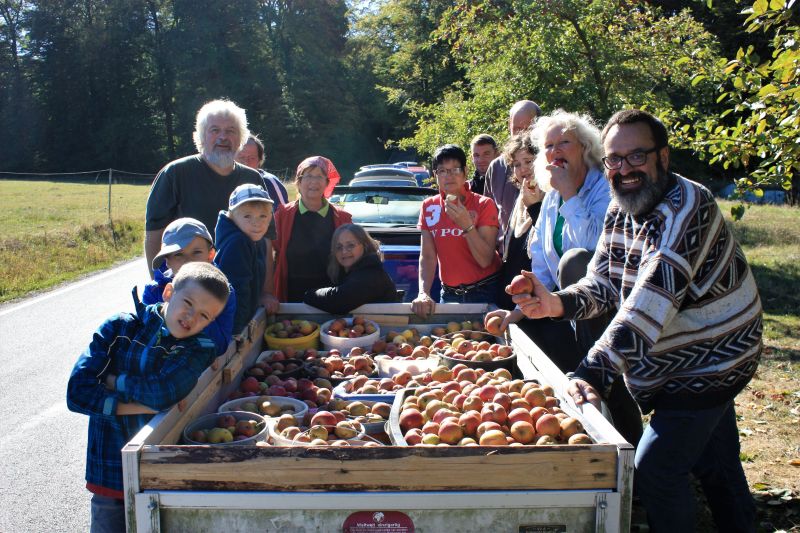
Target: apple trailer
{"x": 547, "y": 489}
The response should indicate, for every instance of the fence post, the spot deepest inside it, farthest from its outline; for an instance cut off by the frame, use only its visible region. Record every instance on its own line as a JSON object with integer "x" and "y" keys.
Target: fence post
{"x": 110, "y": 177}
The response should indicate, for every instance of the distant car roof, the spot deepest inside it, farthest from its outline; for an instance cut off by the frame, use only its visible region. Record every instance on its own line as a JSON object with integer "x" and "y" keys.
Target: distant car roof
{"x": 383, "y": 172}
{"x": 398, "y": 181}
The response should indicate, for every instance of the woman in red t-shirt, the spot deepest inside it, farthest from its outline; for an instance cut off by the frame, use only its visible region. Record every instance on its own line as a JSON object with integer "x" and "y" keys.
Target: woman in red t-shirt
{"x": 459, "y": 232}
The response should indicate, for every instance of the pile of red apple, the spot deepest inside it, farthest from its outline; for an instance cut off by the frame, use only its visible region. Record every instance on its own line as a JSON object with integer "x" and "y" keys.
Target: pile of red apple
{"x": 489, "y": 409}
{"x": 263, "y": 405}
{"x": 401, "y": 380}
{"x": 291, "y": 329}
{"x": 228, "y": 429}
{"x": 326, "y": 428}
{"x": 362, "y": 412}
{"x": 333, "y": 365}
{"x": 357, "y": 327}
{"x": 458, "y": 347}
{"x": 276, "y": 362}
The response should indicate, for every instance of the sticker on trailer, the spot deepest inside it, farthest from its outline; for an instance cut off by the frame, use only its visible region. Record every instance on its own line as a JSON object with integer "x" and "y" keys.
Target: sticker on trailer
{"x": 560, "y": 528}
{"x": 378, "y": 521}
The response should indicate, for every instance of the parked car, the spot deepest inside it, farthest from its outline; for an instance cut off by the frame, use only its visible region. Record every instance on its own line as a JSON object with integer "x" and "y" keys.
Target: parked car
{"x": 419, "y": 172}
{"x": 390, "y": 214}
{"x": 771, "y": 195}
{"x": 370, "y": 181}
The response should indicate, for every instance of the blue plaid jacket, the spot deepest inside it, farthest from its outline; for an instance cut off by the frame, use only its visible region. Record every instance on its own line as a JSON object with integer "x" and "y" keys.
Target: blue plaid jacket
{"x": 153, "y": 368}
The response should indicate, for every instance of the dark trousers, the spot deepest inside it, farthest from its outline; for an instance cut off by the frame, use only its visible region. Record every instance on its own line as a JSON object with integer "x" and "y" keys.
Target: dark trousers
{"x": 705, "y": 443}
{"x": 625, "y": 414}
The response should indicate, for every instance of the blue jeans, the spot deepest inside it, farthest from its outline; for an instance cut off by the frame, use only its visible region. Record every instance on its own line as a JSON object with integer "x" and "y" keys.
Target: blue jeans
{"x": 705, "y": 443}
{"x": 108, "y": 515}
{"x": 483, "y": 294}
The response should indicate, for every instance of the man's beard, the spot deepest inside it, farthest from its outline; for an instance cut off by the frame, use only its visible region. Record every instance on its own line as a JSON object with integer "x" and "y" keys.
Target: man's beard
{"x": 646, "y": 197}
{"x": 220, "y": 157}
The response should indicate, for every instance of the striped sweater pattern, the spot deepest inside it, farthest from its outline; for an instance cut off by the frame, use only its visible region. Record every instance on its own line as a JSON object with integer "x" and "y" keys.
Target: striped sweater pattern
{"x": 688, "y": 323}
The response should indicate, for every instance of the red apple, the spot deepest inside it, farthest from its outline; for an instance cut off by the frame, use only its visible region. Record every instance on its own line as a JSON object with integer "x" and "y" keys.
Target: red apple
{"x": 520, "y": 285}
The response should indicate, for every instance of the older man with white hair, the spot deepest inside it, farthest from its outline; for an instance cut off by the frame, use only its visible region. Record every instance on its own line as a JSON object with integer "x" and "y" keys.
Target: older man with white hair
{"x": 199, "y": 185}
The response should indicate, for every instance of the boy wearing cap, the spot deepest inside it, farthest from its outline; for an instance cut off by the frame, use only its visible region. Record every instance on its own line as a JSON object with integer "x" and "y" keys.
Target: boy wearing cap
{"x": 137, "y": 365}
{"x": 242, "y": 248}
{"x": 187, "y": 240}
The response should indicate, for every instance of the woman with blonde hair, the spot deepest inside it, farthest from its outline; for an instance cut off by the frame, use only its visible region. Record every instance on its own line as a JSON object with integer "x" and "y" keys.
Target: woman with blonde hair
{"x": 356, "y": 270}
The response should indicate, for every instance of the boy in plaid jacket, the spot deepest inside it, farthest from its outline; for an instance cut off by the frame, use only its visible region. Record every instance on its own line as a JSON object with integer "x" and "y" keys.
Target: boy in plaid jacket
{"x": 137, "y": 365}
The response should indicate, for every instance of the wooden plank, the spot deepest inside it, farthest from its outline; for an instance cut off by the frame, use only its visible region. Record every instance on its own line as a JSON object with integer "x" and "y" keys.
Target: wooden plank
{"x": 387, "y": 468}
{"x": 388, "y": 320}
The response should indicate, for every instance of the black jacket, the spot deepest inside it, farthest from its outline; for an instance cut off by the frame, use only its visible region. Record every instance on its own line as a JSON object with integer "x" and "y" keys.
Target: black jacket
{"x": 367, "y": 282}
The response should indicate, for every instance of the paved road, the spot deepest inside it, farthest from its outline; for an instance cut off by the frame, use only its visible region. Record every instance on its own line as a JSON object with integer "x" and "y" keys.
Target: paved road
{"x": 42, "y": 444}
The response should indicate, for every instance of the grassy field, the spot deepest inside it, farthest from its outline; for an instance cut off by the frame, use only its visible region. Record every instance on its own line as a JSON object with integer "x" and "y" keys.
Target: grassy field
{"x": 57, "y": 231}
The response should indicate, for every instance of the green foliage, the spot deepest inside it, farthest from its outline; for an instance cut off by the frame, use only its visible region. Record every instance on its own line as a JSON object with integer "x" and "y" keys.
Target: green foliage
{"x": 757, "y": 131}
{"x": 117, "y": 83}
{"x": 595, "y": 57}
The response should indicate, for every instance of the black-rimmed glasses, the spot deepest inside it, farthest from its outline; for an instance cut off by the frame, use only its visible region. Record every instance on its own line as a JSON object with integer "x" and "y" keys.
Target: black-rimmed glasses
{"x": 448, "y": 171}
{"x": 634, "y": 159}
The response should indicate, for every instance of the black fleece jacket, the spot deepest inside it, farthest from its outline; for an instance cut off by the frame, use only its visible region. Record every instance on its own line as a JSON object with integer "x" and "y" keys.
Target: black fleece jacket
{"x": 367, "y": 282}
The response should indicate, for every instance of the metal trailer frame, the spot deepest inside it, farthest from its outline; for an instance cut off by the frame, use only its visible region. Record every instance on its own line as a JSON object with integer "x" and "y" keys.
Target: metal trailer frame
{"x": 501, "y": 510}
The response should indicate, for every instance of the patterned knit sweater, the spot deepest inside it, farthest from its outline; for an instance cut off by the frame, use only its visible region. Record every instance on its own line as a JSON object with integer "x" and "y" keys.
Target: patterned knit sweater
{"x": 687, "y": 332}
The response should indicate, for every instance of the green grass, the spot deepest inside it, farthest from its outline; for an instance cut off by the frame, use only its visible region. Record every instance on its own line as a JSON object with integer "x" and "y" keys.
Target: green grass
{"x": 770, "y": 238}
{"x": 57, "y": 231}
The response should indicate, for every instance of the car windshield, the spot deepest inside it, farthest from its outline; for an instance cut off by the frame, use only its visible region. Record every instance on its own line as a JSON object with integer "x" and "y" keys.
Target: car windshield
{"x": 382, "y": 206}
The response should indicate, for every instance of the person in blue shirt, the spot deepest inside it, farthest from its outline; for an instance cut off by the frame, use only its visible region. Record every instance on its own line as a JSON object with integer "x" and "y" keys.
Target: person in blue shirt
{"x": 186, "y": 240}
{"x": 252, "y": 155}
{"x": 137, "y": 365}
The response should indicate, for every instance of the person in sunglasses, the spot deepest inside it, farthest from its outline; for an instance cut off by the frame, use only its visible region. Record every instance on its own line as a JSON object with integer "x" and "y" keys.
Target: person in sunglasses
{"x": 459, "y": 233}
{"x": 356, "y": 270}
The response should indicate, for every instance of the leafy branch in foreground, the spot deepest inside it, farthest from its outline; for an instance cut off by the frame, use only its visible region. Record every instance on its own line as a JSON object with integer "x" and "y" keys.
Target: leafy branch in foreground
{"x": 758, "y": 128}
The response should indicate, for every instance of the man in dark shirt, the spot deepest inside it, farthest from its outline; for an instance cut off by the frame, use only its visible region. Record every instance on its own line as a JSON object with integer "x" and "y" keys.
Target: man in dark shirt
{"x": 484, "y": 149}
{"x": 497, "y": 185}
{"x": 199, "y": 185}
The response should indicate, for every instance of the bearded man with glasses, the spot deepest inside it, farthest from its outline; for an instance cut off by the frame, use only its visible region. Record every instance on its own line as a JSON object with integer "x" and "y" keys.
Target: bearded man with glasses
{"x": 686, "y": 333}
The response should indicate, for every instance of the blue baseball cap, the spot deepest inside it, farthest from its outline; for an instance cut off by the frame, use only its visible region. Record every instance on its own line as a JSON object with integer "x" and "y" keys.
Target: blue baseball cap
{"x": 178, "y": 235}
{"x": 248, "y": 193}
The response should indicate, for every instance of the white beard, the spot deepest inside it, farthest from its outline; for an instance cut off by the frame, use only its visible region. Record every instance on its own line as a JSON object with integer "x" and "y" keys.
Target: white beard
{"x": 220, "y": 157}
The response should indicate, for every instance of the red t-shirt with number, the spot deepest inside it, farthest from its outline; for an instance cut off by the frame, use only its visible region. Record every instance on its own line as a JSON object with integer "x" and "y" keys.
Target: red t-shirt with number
{"x": 456, "y": 264}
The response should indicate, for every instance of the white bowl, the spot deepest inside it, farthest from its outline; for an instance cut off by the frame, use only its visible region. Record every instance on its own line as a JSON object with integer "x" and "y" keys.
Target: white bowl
{"x": 345, "y": 344}
{"x": 300, "y": 408}
{"x": 209, "y": 421}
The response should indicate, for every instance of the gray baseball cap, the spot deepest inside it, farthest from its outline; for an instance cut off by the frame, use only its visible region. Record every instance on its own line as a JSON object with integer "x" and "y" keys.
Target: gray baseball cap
{"x": 178, "y": 235}
{"x": 248, "y": 193}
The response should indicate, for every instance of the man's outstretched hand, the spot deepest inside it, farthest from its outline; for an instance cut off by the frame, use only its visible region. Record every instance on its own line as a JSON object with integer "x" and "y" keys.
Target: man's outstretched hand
{"x": 541, "y": 303}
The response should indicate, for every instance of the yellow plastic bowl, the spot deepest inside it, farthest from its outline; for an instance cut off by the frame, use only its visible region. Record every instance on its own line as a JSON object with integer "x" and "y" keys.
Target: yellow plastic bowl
{"x": 298, "y": 343}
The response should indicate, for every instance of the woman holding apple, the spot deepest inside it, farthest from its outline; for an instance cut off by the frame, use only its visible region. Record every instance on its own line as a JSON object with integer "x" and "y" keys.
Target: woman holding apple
{"x": 305, "y": 228}
{"x": 459, "y": 231}
{"x": 519, "y": 154}
{"x": 356, "y": 269}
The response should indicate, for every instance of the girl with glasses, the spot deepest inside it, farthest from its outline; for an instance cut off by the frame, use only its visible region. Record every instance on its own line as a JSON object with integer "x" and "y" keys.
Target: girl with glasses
{"x": 355, "y": 268}
{"x": 305, "y": 228}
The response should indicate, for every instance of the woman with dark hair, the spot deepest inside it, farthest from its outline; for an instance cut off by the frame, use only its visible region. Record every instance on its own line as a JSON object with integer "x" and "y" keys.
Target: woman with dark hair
{"x": 519, "y": 154}
{"x": 459, "y": 232}
{"x": 356, "y": 269}
{"x": 305, "y": 228}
